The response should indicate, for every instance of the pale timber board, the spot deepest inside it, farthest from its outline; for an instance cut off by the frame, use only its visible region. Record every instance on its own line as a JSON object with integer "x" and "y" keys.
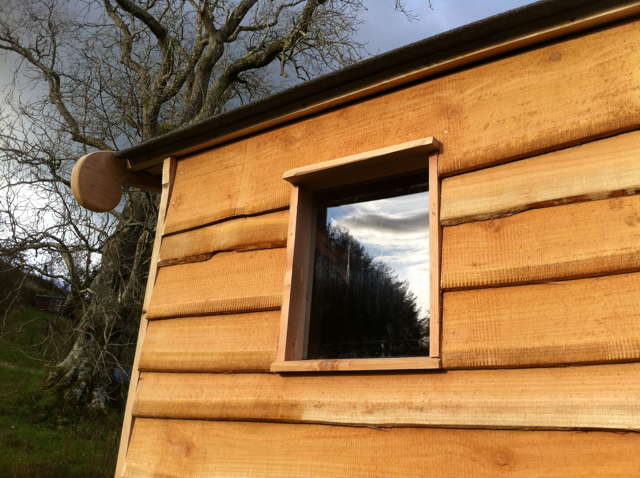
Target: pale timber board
{"x": 265, "y": 231}
{"x": 596, "y": 170}
{"x": 593, "y": 397}
{"x": 540, "y": 100}
{"x": 435, "y": 259}
{"x": 219, "y": 187}
{"x": 219, "y": 343}
{"x": 179, "y": 448}
{"x": 229, "y": 282}
{"x": 298, "y": 277}
{"x": 357, "y": 364}
{"x": 380, "y": 163}
{"x": 574, "y": 240}
{"x": 168, "y": 175}
{"x": 586, "y": 320}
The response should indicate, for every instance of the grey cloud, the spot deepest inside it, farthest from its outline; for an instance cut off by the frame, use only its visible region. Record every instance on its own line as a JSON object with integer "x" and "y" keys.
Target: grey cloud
{"x": 384, "y": 223}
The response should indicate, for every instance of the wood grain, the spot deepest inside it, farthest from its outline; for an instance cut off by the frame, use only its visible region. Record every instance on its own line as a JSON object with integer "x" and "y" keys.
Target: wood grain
{"x": 382, "y": 163}
{"x": 229, "y": 282}
{"x": 220, "y": 343}
{"x": 435, "y": 260}
{"x": 265, "y": 231}
{"x": 575, "y": 240}
{"x": 180, "y": 448}
{"x": 598, "y": 397}
{"x": 357, "y": 364}
{"x": 595, "y": 170}
{"x": 553, "y": 96}
{"x": 168, "y": 176}
{"x": 97, "y": 180}
{"x": 216, "y": 178}
{"x": 296, "y": 294}
{"x": 587, "y": 320}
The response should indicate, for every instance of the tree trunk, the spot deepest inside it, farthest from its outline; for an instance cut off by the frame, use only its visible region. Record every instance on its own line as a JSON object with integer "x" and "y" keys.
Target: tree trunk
{"x": 93, "y": 372}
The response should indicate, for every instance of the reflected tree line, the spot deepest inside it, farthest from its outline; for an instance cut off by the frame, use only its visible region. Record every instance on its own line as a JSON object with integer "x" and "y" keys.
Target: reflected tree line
{"x": 359, "y": 307}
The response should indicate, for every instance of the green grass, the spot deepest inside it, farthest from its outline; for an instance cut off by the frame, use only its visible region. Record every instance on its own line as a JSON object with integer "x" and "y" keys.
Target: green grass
{"x": 39, "y": 436}
{"x": 23, "y": 332}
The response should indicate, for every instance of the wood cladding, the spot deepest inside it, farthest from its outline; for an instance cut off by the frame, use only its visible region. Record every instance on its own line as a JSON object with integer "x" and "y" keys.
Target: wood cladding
{"x": 593, "y": 397}
{"x": 595, "y": 170}
{"x": 179, "y": 448}
{"x": 229, "y": 282}
{"x": 219, "y": 343}
{"x": 540, "y": 100}
{"x": 585, "y": 320}
{"x": 574, "y": 240}
{"x": 258, "y": 232}
{"x": 231, "y": 198}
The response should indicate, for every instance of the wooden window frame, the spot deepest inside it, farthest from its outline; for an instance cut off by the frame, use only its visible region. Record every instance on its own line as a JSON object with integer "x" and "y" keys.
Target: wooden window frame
{"x": 374, "y": 165}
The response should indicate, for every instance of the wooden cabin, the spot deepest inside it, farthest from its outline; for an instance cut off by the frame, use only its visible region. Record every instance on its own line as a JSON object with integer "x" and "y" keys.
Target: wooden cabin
{"x": 525, "y": 130}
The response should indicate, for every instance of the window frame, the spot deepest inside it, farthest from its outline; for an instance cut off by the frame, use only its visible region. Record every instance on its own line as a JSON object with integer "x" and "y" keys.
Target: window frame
{"x": 307, "y": 181}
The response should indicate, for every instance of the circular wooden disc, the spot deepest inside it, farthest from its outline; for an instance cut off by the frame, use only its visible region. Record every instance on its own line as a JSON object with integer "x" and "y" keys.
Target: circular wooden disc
{"x": 96, "y": 181}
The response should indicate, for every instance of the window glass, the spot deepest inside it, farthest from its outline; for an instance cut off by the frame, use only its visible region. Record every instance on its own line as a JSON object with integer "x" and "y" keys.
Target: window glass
{"x": 371, "y": 276}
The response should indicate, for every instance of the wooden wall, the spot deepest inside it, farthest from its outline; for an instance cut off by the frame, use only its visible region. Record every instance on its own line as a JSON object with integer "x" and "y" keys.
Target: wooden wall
{"x": 540, "y": 272}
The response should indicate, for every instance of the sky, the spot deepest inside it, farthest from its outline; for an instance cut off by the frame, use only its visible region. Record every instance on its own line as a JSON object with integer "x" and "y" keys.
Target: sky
{"x": 383, "y": 28}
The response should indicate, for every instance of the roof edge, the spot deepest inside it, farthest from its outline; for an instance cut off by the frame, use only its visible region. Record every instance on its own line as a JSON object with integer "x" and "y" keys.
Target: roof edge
{"x": 522, "y": 27}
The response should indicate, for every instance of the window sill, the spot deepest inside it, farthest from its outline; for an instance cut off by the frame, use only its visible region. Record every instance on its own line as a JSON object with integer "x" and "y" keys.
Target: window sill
{"x": 355, "y": 365}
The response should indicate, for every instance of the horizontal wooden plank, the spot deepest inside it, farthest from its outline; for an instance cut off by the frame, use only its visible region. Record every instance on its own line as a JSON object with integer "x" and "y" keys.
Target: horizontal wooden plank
{"x": 485, "y": 115}
{"x": 220, "y": 343}
{"x": 265, "y": 231}
{"x": 595, "y": 170}
{"x": 585, "y": 320}
{"x": 597, "y": 396}
{"x": 179, "y": 448}
{"x": 361, "y": 364}
{"x": 206, "y": 187}
{"x": 574, "y": 240}
{"x": 229, "y": 282}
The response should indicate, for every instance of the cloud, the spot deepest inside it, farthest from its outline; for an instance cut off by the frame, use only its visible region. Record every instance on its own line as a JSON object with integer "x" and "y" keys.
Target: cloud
{"x": 388, "y": 223}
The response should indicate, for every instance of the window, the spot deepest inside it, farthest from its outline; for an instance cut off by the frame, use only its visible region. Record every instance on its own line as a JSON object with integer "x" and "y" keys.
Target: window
{"x": 362, "y": 286}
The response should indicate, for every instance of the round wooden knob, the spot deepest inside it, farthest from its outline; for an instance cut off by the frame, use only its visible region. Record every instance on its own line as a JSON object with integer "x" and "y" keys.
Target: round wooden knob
{"x": 96, "y": 181}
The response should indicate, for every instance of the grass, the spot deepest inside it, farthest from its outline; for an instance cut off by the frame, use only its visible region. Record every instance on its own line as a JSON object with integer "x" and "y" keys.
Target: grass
{"x": 39, "y": 436}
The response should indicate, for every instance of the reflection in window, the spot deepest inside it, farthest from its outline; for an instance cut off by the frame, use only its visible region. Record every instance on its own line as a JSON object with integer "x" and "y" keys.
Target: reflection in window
{"x": 371, "y": 276}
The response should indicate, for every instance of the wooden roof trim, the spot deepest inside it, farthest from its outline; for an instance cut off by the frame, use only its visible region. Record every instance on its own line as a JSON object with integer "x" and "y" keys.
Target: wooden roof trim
{"x": 97, "y": 180}
{"x": 151, "y": 152}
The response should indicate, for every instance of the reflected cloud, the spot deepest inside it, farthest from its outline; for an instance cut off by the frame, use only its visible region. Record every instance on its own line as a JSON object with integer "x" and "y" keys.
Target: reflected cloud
{"x": 387, "y": 223}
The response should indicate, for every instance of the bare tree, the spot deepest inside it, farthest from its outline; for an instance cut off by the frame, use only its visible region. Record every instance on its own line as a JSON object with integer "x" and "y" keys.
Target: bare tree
{"x": 105, "y": 74}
